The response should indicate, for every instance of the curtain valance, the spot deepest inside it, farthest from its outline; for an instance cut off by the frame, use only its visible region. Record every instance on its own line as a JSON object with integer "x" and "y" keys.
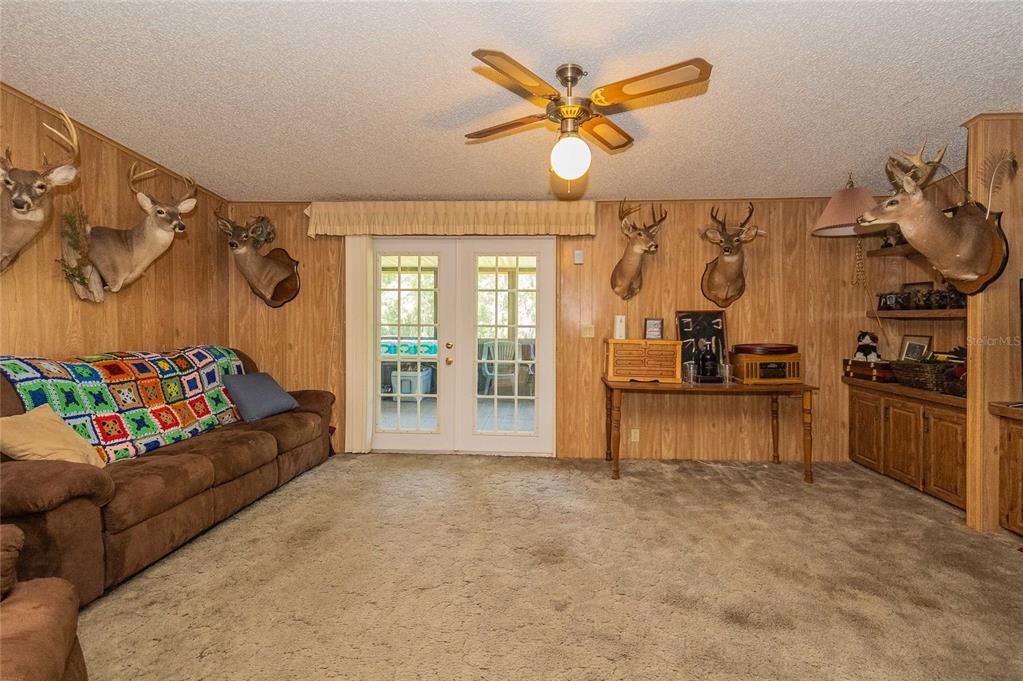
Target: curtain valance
{"x": 452, "y": 218}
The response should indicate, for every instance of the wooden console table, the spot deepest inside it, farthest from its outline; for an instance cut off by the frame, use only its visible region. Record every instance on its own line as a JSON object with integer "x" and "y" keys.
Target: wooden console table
{"x": 615, "y": 389}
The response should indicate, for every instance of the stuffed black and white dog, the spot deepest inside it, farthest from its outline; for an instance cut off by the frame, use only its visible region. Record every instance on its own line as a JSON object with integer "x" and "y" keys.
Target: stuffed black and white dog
{"x": 866, "y": 347}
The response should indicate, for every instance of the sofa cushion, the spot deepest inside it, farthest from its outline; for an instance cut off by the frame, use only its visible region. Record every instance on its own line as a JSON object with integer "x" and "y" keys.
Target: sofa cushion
{"x": 258, "y": 395}
{"x": 316, "y": 401}
{"x": 40, "y": 434}
{"x": 38, "y": 627}
{"x": 150, "y": 485}
{"x": 233, "y": 453}
{"x": 290, "y": 430}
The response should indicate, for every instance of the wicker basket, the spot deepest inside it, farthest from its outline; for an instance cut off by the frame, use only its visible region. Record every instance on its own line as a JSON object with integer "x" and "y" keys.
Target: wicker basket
{"x": 923, "y": 375}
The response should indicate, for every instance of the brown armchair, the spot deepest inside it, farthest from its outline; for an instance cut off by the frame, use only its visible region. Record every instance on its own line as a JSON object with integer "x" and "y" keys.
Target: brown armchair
{"x": 38, "y": 622}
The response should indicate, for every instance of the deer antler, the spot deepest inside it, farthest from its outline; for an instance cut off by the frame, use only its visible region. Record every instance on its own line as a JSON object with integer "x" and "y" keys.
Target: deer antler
{"x": 70, "y": 141}
{"x": 190, "y": 189}
{"x": 134, "y": 177}
{"x": 719, "y": 222}
{"x": 749, "y": 216}
{"x": 624, "y": 212}
{"x": 913, "y": 165}
{"x": 657, "y": 220}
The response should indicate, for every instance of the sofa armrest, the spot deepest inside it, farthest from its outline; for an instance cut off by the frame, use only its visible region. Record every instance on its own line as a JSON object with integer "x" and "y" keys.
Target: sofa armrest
{"x": 40, "y": 486}
{"x": 316, "y": 401}
{"x": 39, "y": 629}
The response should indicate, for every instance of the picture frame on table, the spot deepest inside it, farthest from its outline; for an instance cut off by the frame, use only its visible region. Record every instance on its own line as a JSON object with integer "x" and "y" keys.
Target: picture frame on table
{"x": 915, "y": 348}
{"x": 653, "y": 328}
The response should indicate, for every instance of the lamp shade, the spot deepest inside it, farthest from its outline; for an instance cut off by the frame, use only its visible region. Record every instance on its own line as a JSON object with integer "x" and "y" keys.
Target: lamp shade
{"x": 839, "y": 217}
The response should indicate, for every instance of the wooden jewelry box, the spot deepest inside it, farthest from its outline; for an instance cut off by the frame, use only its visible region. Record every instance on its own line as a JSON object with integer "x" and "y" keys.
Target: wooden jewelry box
{"x": 657, "y": 361}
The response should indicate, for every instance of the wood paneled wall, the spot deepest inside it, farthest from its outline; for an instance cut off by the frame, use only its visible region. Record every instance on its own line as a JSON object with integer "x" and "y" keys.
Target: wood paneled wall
{"x": 302, "y": 343}
{"x": 799, "y": 290}
{"x": 182, "y": 300}
{"x": 993, "y": 324}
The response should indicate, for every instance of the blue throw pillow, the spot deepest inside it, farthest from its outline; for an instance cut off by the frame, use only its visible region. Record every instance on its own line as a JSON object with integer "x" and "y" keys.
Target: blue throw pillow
{"x": 258, "y": 395}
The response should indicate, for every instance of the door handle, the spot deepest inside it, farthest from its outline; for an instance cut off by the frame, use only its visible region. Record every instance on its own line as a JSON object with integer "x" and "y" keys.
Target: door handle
{"x": 449, "y": 361}
{"x": 449, "y": 345}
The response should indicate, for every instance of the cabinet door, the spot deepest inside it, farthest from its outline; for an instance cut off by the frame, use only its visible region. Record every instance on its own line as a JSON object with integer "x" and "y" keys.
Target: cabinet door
{"x": 1010, "y": 496}
{"x": 903, "y": 441}
{"x": 945, "y": 455}
{"x": 866, "y": 439}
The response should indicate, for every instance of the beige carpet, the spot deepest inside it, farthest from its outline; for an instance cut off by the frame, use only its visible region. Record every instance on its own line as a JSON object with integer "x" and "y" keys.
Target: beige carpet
{"x": 404, "y": 567}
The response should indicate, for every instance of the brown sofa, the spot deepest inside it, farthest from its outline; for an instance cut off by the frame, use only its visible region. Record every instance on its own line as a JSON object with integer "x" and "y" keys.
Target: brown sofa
{"x": 38, "y": 623}
{"x": 97, "y": 527}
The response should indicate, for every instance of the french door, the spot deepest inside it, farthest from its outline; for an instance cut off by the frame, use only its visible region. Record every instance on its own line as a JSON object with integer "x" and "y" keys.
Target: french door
{"x": 464, "y": 352}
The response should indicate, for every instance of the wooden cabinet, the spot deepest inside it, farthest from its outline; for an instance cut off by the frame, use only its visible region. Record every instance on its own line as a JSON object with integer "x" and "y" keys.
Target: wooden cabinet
{"x": 903, "y": 441}
{"x": 944, "y": 474}
{"x": 1010, "y": 472}
{"x": 913, "y": 436}
{"x": 866, "y": 441}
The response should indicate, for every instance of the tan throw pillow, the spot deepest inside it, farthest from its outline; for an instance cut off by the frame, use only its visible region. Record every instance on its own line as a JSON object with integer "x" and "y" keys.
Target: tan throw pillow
{"x": 42, "y": 435}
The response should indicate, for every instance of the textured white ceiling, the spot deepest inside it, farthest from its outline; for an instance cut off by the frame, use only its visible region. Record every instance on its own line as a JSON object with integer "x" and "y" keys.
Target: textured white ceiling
{"x": 321, "y": 101}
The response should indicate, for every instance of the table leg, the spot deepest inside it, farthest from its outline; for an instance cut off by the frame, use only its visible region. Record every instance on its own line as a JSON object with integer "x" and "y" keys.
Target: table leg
{"x": 807, "y": 436}
{"x": 607, "y": 424}
{"x": 774, "y": 429}
{"x": 616, "y": 431}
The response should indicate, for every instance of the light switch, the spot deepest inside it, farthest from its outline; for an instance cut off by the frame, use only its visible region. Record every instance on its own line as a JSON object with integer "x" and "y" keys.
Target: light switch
{"x": 578, "y": 257}
{"x": 588, "y": 331}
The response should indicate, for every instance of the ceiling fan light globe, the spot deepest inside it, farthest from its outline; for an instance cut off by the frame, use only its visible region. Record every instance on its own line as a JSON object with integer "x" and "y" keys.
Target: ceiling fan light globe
{"x": 570, "y": 157}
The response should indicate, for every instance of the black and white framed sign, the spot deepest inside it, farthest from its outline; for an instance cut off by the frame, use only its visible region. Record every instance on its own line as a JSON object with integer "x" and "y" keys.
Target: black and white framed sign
{"x": 697, "y": 325}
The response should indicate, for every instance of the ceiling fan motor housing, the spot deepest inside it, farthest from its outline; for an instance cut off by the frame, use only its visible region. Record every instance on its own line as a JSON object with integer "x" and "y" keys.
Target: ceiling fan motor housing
{"x": 569, "y": 75}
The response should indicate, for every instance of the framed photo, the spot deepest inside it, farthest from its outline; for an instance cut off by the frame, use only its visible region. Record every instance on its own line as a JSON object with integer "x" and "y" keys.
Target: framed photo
{"x": 653, "y": 329}
{"x": 915, "y": 348}
{"x": 699, "y": 325}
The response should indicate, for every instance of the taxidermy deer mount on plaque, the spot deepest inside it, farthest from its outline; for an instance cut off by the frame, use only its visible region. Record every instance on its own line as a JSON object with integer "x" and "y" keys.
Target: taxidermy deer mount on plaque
{"x": 27, "y": 202}
{"x": 274, "y": 276}
{"x": 627, "y": 276}
{"x": 724, "y": 277}
{"x": 107, "y": 258}
{"x": 965, "y": 244}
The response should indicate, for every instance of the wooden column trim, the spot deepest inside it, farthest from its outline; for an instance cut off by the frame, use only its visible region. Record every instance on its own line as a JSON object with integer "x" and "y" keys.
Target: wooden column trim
{"x": 993, "y": 364}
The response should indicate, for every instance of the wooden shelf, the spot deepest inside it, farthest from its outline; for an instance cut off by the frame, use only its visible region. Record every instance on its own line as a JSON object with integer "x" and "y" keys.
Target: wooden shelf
{"x": 918, "y": 314}
{"x": 1005, "y": 411}
{"x": 900, "y": 251}
{"x": 906, "y": 391}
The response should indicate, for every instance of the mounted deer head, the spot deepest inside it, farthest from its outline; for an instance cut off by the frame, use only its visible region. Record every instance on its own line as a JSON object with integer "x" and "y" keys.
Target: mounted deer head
{"x": 121, "y": 256}
{"x": 26, "y": 202}
{"x": 964, "y": 248}
{"x": 724, "y": 277}
{"x": 627, "y": 276}
{"x": 274, "y": 276}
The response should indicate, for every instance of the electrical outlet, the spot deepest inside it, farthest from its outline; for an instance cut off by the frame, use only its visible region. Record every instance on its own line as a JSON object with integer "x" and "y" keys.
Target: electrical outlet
{"x": 587, "y": 331}
{"x": 634, "y": 435}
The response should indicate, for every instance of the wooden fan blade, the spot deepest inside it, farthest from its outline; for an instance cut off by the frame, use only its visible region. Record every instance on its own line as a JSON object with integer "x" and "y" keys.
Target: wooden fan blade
{"x": 510, "y": 125}
{"x": 610, "y": 136}
{"x": 668, "y": 78}
{"x": 501, "y": 62}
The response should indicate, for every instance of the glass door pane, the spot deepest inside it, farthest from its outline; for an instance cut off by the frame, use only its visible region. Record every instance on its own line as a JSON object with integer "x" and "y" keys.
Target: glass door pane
{"x": 407, "y": 339}
{"x": 505, "y": 340}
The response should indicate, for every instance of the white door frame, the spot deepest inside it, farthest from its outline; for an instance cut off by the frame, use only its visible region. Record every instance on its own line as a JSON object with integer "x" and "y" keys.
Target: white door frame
{"x": 457, "y": 287}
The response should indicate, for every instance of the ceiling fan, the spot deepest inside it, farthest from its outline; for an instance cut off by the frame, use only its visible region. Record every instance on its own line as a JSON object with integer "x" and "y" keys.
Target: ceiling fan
{"x": 570, "y": 157}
